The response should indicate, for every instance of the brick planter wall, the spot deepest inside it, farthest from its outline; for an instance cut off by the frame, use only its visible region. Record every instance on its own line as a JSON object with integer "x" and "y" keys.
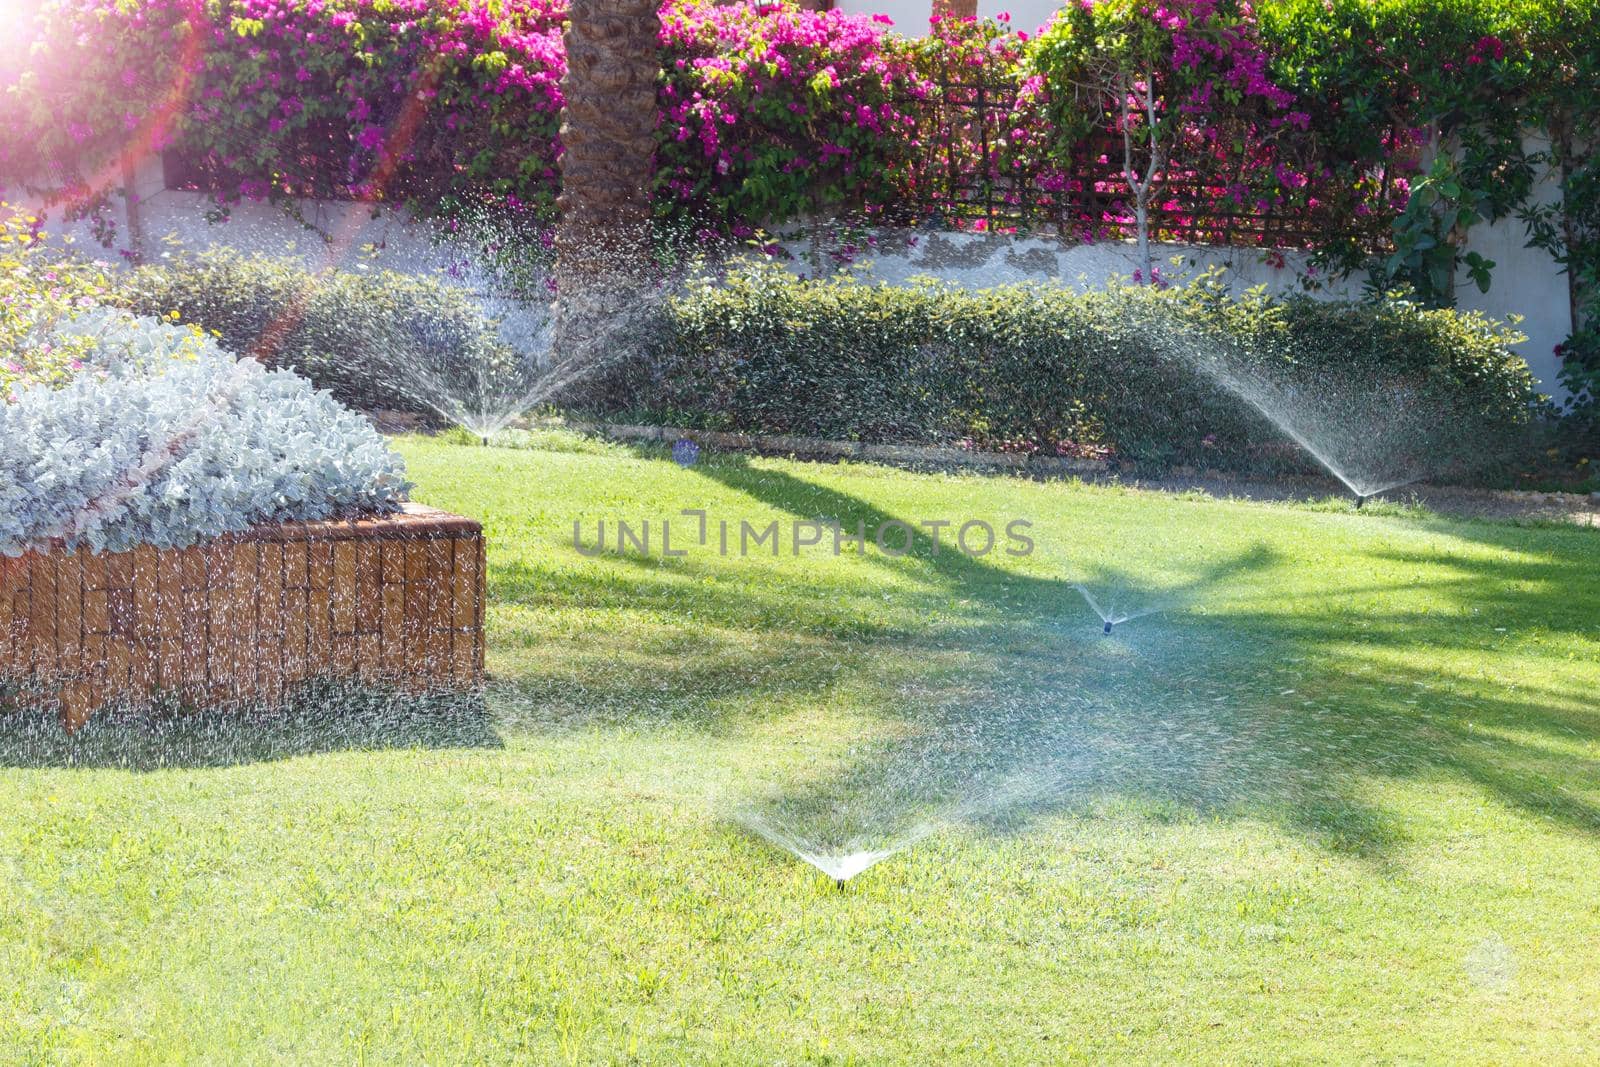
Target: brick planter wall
{"x": 240, "y": 620}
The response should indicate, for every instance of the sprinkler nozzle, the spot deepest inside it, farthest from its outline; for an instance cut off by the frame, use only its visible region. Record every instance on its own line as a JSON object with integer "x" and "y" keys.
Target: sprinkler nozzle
{"x": 484, "y": 441}
{"x": 1108, "y": 626}
{"x": 840, "y": 883}
{"x": 1359, "y": 501}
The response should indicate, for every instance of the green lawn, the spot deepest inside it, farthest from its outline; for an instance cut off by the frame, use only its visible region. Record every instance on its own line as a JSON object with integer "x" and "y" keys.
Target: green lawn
{"x": 1340, "y": 801}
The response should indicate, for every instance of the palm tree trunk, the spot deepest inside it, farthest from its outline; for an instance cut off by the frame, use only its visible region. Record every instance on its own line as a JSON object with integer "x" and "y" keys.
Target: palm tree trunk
{"x": 607, "y": 165}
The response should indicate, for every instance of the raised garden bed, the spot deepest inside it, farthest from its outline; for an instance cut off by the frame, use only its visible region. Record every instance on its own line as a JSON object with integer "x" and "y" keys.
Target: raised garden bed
{"x": 242, "y": 620}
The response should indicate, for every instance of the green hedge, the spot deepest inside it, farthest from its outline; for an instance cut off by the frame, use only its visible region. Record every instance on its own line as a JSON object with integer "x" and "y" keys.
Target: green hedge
{"x": 375, "y": 339}
{"x": 1028, "y": 368}
{"x": 1039, "y": 368}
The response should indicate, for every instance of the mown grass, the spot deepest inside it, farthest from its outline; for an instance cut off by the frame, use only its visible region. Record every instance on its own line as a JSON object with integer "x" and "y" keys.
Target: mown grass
{"x": 1340, "y": 801}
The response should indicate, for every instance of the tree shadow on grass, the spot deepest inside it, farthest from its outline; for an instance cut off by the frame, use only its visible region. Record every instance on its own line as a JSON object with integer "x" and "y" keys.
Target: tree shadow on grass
{"x": 1234, "y": 729}
{"x": 1255, "y": 713}
{"x": 1144, "y": 718}
{"x": 1286, "y": 713}
{"x": 706, "y": 591}
{"x": 320, "y": 718}
{"x": 918, "y": 558}
{"x": 942, "y": 568}
{"x": 645, "y": 641}
{"x": 744, "y": 649}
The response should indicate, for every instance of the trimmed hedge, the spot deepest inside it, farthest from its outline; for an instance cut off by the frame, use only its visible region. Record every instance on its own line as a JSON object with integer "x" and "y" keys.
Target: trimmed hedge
{"x": 1036, "y": 368}
{"x": 378, "y": 339}
{"x": 1134, "y": 370}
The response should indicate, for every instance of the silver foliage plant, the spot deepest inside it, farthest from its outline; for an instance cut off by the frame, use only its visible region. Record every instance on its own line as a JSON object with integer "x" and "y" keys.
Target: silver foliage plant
{"x": 119, "y": 340}
{"x": 168, "y": 440}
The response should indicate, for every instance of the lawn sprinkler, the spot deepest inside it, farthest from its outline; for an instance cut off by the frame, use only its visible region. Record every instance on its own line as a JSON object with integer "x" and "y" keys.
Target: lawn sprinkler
{"x": 840, "y": 883}
{"x": 1108, "y": 627}
{"x": 1359, "y": 501}
{"x": 484, "y": 441}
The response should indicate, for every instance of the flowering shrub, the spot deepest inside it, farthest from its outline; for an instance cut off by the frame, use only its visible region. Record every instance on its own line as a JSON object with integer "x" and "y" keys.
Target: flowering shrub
{"x": 404, "y": 101}
{"x": 1385, "y": 81}
{"x": 1307, "y": 109}
{"x": 769, "y": 111}
{"x": 40, "y": 290}
{"x": 103, "y": 82}
{"x": 191, "y": 450}
{"x": 400, "y": 100}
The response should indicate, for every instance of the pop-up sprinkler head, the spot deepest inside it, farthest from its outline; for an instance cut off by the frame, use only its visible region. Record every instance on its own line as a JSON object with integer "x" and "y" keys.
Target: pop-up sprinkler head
{"x": 1359, "y": 501}
{"x": 1108, "y": 626}
{"x": 840, "y": 883}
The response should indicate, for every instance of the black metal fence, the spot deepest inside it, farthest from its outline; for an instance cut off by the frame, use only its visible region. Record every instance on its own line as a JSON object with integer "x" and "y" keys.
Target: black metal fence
{"x": 970, "y": 172}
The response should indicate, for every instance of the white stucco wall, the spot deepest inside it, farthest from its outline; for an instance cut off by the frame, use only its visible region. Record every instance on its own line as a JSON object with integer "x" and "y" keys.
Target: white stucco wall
{"x": 174, "y": 221}
{"x": 977, "y": 261}
{"x": 911, "y": 16}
